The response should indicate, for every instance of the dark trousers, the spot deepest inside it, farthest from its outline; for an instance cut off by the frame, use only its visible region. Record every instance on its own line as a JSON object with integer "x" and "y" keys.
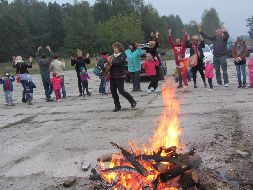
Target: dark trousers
{"x": 23, "y": 92}
{"x": 79, "y": 83}
{"x": 156, "y": 80}
{"x": 153, "y": 83}
{"x": 210, "y": 82}
{"x": 136, "y": 81}
{"x": 85, "y": 86}
{"x": 48, "y": 87}
{"x": 118, "y": 85}
{"x": 102, "y": 84}
{"x": 194, "y": 74}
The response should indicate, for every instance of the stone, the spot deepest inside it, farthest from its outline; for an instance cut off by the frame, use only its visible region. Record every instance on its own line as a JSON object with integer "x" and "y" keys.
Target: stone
{"x": 85, "y": 165}
{"x": 69, "y": 182}
{"x": 242, "y": 153}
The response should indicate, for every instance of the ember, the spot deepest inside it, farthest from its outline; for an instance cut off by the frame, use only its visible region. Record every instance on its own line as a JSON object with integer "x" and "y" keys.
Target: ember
{"x": 158, "y": 166}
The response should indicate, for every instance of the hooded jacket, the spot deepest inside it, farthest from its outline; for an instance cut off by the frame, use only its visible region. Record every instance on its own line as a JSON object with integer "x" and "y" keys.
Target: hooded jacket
{"x": 79, "y": 62}
{"x": 240, "y": 53}
{"x": 9, "y": 81}
{"x": 179, "y": 50}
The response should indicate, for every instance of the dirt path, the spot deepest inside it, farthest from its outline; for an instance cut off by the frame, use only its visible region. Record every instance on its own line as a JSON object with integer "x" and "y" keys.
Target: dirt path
{"x": 43, "y": 143}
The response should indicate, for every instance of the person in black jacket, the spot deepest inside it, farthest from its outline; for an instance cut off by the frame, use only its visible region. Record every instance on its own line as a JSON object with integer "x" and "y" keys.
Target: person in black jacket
{"x": 80, "y": 61}
{"x": 117, "y": 72}
{"x": 196, "y": 48}
{"x": 153, "y": 46}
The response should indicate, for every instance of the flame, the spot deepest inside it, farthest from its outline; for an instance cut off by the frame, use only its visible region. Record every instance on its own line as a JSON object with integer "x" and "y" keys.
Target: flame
{"x": 166, "y": 135}
{"x": 168, "y": 132}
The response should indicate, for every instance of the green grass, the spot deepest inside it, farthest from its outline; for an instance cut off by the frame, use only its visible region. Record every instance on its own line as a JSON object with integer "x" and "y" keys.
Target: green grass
{"x": 7, "y": 67}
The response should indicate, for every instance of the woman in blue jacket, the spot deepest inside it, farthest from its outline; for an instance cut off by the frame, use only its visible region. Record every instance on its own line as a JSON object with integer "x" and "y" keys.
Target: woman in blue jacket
{"x": 134, "y": 64}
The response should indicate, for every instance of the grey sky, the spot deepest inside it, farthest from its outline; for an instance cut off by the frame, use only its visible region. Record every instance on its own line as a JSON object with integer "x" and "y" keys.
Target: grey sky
{"x": 232, "y": 12}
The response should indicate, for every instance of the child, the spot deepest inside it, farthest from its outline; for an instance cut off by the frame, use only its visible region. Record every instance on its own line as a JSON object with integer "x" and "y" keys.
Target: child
{"x": 209, "y": 75}
{"x": 150, "y": 68}
{"x": 250, "y": 65}
{"x": 8, "y": 88}
{"x": 107, "y": 78}
{"x": 56, "y": 82}
{"x": 29, "y": 86}
{"x": 84, "y": 81}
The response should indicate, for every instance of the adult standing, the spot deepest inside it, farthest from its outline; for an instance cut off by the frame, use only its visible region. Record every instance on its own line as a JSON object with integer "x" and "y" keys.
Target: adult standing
{"x": 220, "y": 41}
{"x": 239, "y": 53}
{"x": 117, "y": 72}
{"x": 58, "y": 66}
{"x": 196, "y": 49}
{"x": 80, "y": 61}
{"x": 153, "y": 46}
{"x": 22, "y": 72}
{"x": 44, "y": 58}
{"x": 179, "y": 54}
{"x": 134, "y": 65}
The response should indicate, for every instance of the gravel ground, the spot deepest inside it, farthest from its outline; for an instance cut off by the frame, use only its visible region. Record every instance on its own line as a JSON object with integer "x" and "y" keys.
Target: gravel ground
{"x": 42, "y": 144}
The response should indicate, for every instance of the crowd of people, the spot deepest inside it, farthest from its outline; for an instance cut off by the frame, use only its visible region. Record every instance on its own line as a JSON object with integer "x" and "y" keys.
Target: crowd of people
{"x": 112, "y": 69}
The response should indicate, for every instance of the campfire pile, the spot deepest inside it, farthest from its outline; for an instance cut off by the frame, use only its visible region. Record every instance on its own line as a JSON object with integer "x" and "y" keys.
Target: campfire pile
{"x": 164, "y": 169}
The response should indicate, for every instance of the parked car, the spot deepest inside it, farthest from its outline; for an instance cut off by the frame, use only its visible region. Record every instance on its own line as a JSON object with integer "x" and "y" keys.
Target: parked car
{"x": 163, "y": 66}
{"x": 207, "y": 53}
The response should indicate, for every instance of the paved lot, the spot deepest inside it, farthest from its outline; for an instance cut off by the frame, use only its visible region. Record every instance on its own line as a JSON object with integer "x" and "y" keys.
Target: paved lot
{"x": 42, "y": 143}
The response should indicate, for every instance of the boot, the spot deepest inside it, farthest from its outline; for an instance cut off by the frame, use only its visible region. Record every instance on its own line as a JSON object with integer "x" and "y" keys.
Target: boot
{"x": 244, "y": 84}
{"x": 240, "y": 84}
{"x": 117, "y": 108}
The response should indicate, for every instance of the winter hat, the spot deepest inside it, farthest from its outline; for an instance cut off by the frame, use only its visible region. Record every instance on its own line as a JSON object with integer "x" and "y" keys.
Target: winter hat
{"x": 29, "y": 77}
{"x": 7, "y": 75}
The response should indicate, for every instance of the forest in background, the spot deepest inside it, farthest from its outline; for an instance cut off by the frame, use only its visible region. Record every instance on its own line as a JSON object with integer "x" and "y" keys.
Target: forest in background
{"x": 27, "y": 24}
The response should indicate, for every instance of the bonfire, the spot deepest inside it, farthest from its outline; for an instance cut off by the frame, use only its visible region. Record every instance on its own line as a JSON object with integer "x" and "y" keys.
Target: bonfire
{"x": 160, "y": 165}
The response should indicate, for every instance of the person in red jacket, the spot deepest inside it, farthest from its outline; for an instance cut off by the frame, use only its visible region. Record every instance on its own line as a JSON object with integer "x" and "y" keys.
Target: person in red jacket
{"x": 150, "y": 68}
{"x": 179, "y": 53}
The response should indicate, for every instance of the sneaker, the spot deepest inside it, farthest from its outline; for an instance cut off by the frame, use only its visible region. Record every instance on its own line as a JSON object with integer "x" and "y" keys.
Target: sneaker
{"x": 156, "y": 90}
{"x": 226, "y": 85}
{"x": 133, "y": 105}
{"x": 149, "y": 91}
{"x": 210, "y": 90}
{"x": 244, "y": 85}
{"x": 152, "y": 89}
{"x": 88, "y": 94}
{"x": 49, "y": 99}
{"x": 30, "y": 103}
{"x": 195, "y": 86}
{"x": 217, "y": 85}
{"x": 23, "y": 100}
{"x": 80, "y": 95}
{"x": 59, "y": 100}
{"x": 205, "y": 84}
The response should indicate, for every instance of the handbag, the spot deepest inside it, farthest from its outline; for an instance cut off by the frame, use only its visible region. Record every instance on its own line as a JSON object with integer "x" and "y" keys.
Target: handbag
{"x": 193, "y": 60}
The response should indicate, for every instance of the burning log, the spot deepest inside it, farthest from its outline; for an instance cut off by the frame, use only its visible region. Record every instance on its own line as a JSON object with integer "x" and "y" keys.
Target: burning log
{"x": 105, "y": 158}
{"x": 132, "y": 160}
{"x": 121, "y": 169}
{"x": 180, "y": 169}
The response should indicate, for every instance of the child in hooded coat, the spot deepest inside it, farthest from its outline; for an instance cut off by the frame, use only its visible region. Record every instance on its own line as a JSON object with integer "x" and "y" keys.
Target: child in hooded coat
{"x": 84, "y": 81}
{"x": 8, "y": 88}
{"x": 29, "y": 86}
{"x": 56, "y": 82}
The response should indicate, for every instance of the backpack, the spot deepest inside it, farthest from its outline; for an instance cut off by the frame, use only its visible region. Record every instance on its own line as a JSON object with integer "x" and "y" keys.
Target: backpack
{"x": 98, "y": 70}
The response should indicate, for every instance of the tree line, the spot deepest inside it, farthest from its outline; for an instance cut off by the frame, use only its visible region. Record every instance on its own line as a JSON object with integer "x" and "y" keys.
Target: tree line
{"x": 28, "y": 24}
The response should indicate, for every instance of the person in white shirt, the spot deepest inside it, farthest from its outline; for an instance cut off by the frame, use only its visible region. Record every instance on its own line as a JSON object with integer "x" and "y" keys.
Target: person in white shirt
{"x": 58, "y": 66}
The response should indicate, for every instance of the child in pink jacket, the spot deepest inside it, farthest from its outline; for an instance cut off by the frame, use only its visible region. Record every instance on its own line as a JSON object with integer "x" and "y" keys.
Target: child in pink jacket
{"x": 209, "y": 74}
{"x": 56, "y": 82}
{"x": 150, "y": 68}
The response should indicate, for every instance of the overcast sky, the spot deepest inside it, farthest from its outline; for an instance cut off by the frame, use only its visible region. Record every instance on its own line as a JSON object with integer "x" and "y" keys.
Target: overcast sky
{"x": 232, "y": 12}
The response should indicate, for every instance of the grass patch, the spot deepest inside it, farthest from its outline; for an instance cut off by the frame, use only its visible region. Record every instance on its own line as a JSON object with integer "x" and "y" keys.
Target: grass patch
{"x": 8, "y": 68}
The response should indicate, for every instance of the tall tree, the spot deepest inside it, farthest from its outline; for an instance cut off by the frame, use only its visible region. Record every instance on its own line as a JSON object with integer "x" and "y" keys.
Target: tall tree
{"x": 210, "y": 20}
{"x": 128, "y": 30}
{"x": 250, "y": 25}
{"x": 80, "y": 28}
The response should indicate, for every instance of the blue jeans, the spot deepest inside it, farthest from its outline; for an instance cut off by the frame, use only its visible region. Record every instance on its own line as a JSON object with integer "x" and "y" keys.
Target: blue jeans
{"x": 102, "y": 84}
{"x": 241, "y": 72}
{"x": 8, "y": 97}
{"x": 64, "y": 94}
{"x": 48, "y": 87}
